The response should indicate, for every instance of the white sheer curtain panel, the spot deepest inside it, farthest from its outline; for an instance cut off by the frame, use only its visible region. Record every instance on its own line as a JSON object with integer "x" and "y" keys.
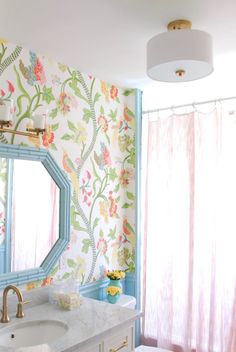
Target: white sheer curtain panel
{"x": 189, "y": 286}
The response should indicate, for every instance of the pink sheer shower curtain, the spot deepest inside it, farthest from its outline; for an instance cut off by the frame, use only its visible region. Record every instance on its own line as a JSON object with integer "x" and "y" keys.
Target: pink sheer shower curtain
{"x": 189, "y": 286}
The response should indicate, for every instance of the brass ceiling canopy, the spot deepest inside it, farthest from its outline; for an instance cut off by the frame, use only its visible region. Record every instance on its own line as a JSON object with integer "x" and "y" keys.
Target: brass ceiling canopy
{"x": 179, "y": 24}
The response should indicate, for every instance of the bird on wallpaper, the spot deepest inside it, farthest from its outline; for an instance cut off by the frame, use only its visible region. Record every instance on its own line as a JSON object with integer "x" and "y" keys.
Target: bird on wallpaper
{"x": 128, "y": 232}
{"x": 124, "y": 237}
{"x": 69, "y": 167}
{"x": 103, "y": 159}
{"x": 128, "y": 117}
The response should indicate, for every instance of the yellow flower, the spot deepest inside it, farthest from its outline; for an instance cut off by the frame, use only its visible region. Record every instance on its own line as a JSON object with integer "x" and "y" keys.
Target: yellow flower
{"x": 113, "y": 290}
{"x": 103, "y": 209}
{"x": 105, "y": 90}
{"x": 62, "y": 67}
{"x": 3, "y": 41}
{"x": 30, "y": 286}
{"x": 116, "y": 274}
{"x": 80, "y": 135}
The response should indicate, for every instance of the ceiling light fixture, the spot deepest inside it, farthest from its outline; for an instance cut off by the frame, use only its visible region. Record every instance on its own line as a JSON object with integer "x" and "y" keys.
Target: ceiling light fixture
{"x": 182, "y": 54}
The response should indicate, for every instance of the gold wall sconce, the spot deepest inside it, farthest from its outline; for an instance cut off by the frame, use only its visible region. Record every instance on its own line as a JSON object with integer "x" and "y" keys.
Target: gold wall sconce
{"x": 37, "y": 122}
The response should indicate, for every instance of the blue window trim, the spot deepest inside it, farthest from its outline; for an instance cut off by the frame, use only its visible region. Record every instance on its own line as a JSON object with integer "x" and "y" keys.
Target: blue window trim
{"x": 138, "y": 148}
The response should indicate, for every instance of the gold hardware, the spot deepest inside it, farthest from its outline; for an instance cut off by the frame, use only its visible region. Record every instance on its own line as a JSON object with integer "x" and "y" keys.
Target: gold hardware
{"x": 5, "y": 318}
{"x": 180, "y": 73}
{"x": 5, "y": 123}
{"x": 36, "y": 130}
{"x": 32, "y": 132}
{"x": 179, "y": 24}
{"x": 124, "y": 344}
{"x": 26, "y": 302}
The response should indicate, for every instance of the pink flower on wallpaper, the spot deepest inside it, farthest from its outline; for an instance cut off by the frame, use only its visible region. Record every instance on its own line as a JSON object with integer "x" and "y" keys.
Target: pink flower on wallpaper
{"x": 88, "y": 175}
{"x": 126, "y": 175}
{"x": 112, "y": 205}
{"x": 113, "y": 92}
{"x": 65, "y": 102}
{"x": 11, "y": 88}
{"x": 107, "y": 157}
{"x": 86, "y": 189}
{"x": 47, "y": 281}
{"x": 2, "y": 230}
{"x": 39, "y": 72}
{"x": 103, "y": 159}
{"x": 48, "y": 137}
{"x": 102, "y": 246}
{"x": 102, "y": 121}
{"x": 2, "y": 93}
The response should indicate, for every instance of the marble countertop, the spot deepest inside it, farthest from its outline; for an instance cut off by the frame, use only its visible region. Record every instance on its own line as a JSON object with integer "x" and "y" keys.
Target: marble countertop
{"x": 88, "y": 323}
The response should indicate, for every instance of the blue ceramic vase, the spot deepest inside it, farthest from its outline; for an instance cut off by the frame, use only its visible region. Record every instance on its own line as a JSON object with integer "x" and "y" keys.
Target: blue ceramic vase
{"x": 115, "y": 283}
{"x": 113, "y": 299}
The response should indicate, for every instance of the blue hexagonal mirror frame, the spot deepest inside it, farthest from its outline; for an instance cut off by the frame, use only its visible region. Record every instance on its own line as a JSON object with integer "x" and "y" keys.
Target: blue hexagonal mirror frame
{"x": 59, "y": 177}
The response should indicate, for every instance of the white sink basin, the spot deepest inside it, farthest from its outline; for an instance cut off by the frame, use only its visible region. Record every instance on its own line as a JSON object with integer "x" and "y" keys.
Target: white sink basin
{"x": 32, "y": 333}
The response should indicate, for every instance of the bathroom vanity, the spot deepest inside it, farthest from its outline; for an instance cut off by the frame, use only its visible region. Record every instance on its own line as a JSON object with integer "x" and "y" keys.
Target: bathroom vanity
{"x": 95, "y": 326}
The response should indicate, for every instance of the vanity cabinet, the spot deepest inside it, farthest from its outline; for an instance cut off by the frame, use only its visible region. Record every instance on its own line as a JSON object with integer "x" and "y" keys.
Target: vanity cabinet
{"x": 91, "y": 348}
{"x": 122, "y": 340}
{"x": 95, "y": 326}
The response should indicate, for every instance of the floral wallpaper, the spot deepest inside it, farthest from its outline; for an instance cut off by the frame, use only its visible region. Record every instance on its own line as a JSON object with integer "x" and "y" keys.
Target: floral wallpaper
{"x": 90, "y": 133}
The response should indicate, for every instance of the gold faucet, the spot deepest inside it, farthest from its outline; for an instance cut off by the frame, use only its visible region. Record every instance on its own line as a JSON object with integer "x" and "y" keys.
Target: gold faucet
{"x": 5, "y": 318}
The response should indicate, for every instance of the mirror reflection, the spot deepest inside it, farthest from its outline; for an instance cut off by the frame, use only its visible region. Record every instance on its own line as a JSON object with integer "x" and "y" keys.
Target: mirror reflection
{"x": 29, "y": 206}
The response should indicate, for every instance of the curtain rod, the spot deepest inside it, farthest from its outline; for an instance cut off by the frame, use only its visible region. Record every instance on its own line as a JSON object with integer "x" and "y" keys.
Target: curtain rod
{"x": 185, "y": 105}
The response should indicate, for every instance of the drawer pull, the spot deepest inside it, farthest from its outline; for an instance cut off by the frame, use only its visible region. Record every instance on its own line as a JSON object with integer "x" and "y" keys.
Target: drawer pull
{"x": 124, "y": 344}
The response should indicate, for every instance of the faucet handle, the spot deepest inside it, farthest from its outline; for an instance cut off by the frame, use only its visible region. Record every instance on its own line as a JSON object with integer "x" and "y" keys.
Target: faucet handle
{"x": 26, "y": 302}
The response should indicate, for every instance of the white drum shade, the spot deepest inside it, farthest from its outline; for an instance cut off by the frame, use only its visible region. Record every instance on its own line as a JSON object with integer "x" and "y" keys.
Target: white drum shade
{"x": 187, "y": 51}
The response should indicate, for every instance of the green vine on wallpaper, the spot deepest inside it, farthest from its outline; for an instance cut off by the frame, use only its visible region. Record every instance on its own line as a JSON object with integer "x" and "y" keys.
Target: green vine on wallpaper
{"x": 89, "y": 114}
{"x": 3, "y": 65}
{"x": 10, "y": 59}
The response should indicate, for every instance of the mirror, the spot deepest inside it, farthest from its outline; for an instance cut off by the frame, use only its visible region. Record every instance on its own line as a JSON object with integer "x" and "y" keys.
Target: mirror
{"x": 34, "y": 214}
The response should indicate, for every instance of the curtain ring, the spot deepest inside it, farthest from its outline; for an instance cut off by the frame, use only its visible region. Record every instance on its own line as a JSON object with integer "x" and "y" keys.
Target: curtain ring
{"x": 219, "y": 101}
{"x": 194, "y": 107}
{"x": 173, "y": 110}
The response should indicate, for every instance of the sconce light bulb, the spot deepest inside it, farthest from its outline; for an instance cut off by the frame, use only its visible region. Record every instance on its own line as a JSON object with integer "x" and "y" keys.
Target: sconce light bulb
{"x": 39, "y": 121}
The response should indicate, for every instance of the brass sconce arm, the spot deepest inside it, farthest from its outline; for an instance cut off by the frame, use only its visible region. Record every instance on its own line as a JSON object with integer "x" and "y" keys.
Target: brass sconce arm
{"x": 32, "y": 132}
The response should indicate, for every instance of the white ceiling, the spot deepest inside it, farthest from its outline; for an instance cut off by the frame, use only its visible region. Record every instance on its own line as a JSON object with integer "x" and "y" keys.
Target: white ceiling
{"x": 107, "y": 38}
